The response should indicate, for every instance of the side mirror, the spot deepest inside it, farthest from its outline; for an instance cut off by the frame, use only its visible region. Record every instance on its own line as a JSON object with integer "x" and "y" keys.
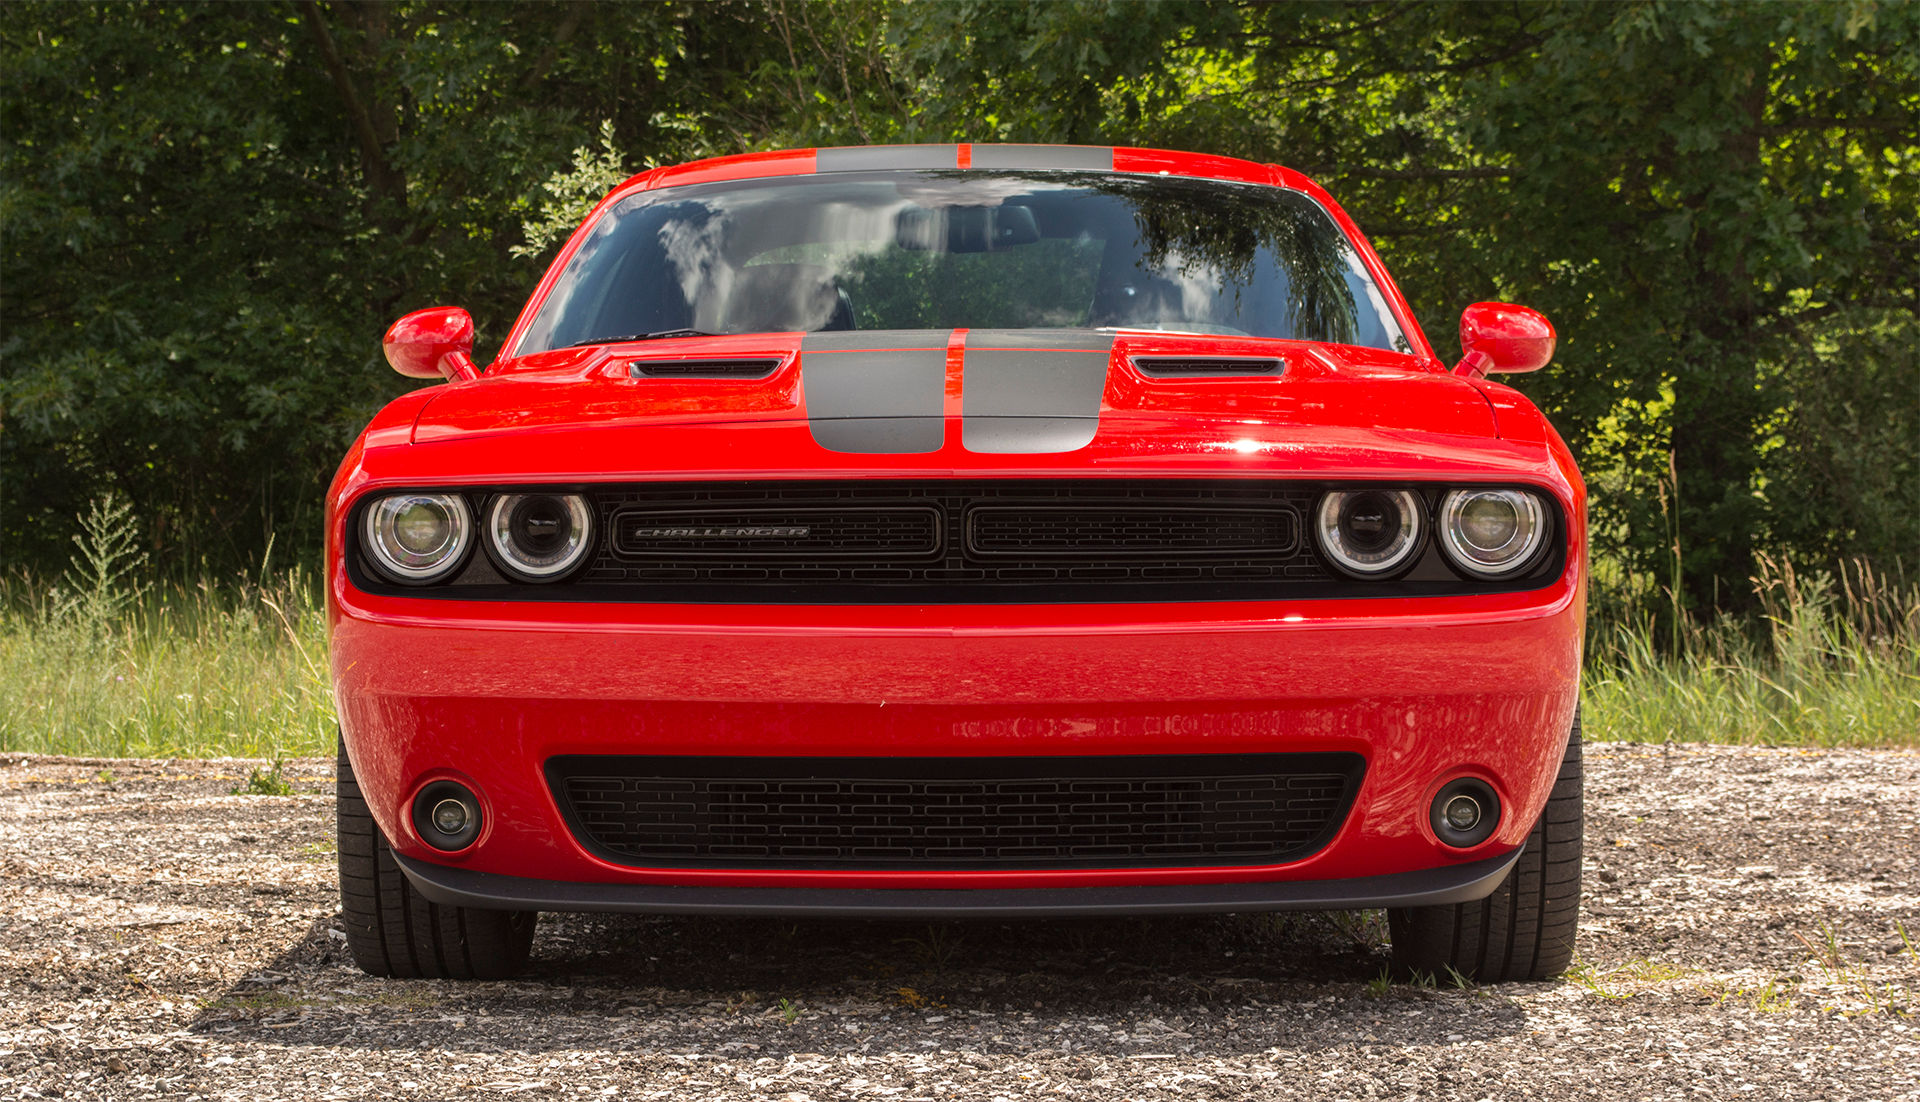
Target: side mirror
{"x": 430, "y": 343}
{"x": 1499, "y": 336}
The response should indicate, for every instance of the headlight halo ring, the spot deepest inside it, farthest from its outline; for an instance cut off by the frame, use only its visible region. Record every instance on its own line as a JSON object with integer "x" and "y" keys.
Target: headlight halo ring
{"x": 508, "y": 510}
{"x": 1480, "y": 557}
{"x": 1403, "y": 511}
{"x": 404, "y": 549}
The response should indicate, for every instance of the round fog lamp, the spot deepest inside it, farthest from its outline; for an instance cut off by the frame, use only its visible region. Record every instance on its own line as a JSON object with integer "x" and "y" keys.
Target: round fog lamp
{"x": 446, "y": 816}
{"x": 1463, "y": 813}
{"x": 450, "y": 817}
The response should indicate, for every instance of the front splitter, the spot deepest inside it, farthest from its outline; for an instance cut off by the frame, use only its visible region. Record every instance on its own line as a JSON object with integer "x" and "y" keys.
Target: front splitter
{"x": 1420, "y": 888}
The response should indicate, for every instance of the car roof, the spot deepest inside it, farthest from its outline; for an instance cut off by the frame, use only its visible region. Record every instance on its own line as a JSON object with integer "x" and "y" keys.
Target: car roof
{"x": 965, "y": 155}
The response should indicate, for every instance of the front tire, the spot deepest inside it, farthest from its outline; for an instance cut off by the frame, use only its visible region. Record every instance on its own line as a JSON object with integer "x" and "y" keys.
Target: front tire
{"x": 1525, "y": 929}
{"x": 392, "y": 930}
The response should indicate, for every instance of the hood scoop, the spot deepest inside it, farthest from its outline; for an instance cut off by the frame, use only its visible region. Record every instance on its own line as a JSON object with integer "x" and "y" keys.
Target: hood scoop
{"x": 748, "y": 367}
{"x": 1201, "y": 367}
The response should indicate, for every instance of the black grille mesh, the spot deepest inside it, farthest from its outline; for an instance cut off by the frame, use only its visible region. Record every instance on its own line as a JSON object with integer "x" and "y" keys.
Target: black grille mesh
{"x": 1124, "y": 531}
{"x": 1031, "y": 539}
{"x": 955, "y": 812}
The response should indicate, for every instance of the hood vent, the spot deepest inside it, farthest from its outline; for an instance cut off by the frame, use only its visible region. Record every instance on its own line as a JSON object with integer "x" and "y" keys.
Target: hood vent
{"x": 755, "y": 368}
{"x": 1191, "y": 367}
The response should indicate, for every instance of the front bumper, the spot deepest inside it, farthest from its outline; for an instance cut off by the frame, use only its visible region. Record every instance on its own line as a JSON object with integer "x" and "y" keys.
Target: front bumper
{"x": 1424, "y": 689}
{"x": 1419, "y": 888}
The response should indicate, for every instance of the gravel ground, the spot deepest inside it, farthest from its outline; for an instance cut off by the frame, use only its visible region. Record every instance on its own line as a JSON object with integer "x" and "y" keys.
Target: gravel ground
{"x": 1743, "y": 932}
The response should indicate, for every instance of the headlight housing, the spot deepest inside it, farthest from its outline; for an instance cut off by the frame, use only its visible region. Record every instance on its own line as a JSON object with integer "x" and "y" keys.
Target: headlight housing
{"x": 1370, "y": 533}
{"x": 417, "y": 538}
{"x": 539, "y": 537}
{"x": 1488, "y": 533}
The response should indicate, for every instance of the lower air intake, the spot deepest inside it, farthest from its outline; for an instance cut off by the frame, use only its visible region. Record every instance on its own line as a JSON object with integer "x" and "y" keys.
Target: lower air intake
{"x": 955, "y": 813}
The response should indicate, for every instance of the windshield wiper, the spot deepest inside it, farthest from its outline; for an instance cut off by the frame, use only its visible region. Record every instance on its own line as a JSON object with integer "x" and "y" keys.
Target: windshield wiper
{"x": 658, "y": 334}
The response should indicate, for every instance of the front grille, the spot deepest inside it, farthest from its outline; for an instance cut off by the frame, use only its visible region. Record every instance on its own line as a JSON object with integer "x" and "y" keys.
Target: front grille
{"x": 944, "y": 542}
{"x": 957, "y": 541}
{"x": 1128, "y": 531}
{"x": 955, "y": 813}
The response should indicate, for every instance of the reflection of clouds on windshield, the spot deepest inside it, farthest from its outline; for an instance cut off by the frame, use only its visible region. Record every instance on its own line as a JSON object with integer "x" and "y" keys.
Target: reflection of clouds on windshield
{"x": 901, "y": 250}
{"x": 1198, "y": 282}
{"x": 1359, "y": 280}
{"x": 693, "y": 248}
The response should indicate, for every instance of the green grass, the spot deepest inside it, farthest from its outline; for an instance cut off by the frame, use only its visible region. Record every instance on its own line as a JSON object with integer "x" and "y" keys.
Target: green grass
{"x": 1830, "y": 662}
{"x": 220, "y": 669}
{"x": 99, "y": 667}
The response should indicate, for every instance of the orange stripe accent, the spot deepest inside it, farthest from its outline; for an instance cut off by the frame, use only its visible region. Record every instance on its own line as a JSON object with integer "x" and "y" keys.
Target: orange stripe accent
{"x": 964, "y": 158}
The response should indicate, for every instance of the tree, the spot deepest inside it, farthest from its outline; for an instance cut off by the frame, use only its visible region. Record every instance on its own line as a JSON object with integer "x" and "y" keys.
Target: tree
{"x": 213, "y": 211}
{"x": 1711, "y": 201}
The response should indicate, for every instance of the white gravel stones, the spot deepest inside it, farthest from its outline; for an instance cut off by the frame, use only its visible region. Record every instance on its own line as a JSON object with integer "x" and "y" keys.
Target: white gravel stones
{"x": 1742, "y": 938}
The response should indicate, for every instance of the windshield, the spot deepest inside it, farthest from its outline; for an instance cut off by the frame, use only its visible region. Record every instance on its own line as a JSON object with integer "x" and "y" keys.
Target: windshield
{"x": 953, "y": 249}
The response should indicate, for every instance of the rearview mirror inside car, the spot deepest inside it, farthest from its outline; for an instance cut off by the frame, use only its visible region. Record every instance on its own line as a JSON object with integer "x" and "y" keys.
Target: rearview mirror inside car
{"x": 965, "y": 229}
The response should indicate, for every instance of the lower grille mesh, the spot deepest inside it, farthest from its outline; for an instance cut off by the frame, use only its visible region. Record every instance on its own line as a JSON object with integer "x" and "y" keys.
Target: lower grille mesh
{"x": 955, "y": 812}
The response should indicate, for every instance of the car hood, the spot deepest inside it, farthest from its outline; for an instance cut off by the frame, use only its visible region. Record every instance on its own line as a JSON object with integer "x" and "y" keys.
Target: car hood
{"x": 1007, "y": 392}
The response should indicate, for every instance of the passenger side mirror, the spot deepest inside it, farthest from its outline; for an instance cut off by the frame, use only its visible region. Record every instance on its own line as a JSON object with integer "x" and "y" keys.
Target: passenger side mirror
{"x": 1499, "y": 336}
{"x": 430, "y": 343}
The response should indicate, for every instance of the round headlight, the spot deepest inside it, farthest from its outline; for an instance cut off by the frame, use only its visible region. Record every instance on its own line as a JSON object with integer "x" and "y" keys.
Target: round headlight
{"x": 414, "y": 539}
{"x": 1370, "y": 533}
{"x": 539, "y": 537}
{"x": 1492, "y": 533}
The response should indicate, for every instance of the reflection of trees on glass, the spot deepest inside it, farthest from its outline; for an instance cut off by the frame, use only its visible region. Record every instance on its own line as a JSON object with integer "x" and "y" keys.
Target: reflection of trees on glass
{"x": 956, "y": 249}
{"x": 1047, "y": 284}
{"x": 1217, "y": 234}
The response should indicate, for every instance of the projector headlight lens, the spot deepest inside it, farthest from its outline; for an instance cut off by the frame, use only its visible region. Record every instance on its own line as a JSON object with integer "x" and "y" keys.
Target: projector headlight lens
{"x": 1370, "y": 533}
{"x": 539, "y": 537}
{"x": 1492, "y": 533}
{"x": 417, "y": 538}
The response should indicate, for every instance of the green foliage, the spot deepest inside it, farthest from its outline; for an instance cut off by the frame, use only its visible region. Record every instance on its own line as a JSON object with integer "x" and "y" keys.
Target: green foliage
{"x": 212, "y": 212}
{"x": 100, "y": 580}
{"x": 571, "y": 195}
{"x": 1718, "y": 205}
{"x": 232, "y": 666}
{"x": 1835, "y": 661}
{"x": 270, "y": 781}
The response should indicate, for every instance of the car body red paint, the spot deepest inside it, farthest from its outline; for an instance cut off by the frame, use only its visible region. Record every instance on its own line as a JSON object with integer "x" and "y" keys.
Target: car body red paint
{"x": 1424, "y": 688}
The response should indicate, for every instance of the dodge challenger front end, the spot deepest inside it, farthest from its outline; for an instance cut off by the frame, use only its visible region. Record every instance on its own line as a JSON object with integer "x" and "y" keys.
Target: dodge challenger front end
{"x": 964, "y": 531}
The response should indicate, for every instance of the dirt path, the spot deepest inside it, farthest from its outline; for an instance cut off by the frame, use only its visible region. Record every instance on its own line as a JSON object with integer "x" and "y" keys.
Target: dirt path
{"x": 162, "y": 938}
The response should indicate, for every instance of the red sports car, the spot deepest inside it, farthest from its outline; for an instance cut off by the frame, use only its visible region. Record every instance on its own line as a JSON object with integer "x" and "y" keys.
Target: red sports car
{"x": 960, "y": 530}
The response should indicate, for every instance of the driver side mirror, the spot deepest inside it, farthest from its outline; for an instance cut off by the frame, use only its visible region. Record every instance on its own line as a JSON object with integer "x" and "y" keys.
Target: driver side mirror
{"x": 430, "y": 343}
{"x": 1499, "y": 336}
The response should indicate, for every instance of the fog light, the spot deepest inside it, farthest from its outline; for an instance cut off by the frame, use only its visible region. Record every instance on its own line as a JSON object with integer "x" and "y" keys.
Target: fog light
{"x": 446, "y": 815}
{"x": 1465, "y": 812}
{"x": 450, "y": 817}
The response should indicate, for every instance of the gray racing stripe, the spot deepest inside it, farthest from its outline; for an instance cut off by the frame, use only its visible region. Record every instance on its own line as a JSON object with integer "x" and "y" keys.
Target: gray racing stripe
{"x": 861, "y": 158}
{"x": 1077, "y": 157}
{"x": 1032, "y": 391}
{"x": 882, "y": 392}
